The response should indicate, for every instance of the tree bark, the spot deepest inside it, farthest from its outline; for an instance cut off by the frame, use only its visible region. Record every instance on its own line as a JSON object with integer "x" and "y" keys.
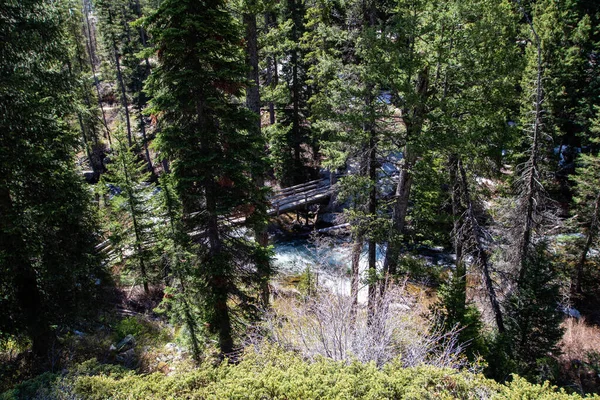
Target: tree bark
{"x": 355, "y": 278}
{"x": 295, "y": 91}
{"x": 253, "y": 104}
{"x": 372, "y": 210}
{"x": 413, "y": 121}
{"x": 402, "y": 195}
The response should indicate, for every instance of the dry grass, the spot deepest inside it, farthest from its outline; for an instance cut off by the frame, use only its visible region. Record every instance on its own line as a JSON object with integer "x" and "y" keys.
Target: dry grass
{"x": 580, "y": 358}
{"x": 579, "y": 340}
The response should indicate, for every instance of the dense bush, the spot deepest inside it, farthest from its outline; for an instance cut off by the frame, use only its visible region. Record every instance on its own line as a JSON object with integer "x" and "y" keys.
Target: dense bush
{"x": 274, "y": 374}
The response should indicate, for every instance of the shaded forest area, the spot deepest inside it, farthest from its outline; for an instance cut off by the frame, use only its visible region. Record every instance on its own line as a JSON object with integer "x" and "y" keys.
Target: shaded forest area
{"x": 141, "y": 142}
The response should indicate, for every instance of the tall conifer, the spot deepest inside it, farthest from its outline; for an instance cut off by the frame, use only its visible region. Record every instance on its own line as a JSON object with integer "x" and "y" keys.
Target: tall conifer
{"x": 207, "y": 134}
{"x": 47, "y": 261}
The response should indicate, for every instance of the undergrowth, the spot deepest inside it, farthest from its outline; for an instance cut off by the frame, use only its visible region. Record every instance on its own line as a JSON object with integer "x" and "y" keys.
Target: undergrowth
{"x": 276, "y": 374}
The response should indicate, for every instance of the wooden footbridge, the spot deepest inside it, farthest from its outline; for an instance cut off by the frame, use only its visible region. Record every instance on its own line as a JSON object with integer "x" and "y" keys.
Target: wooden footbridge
{"x": 299, "y": 196}
{"x": 283, "y": 200}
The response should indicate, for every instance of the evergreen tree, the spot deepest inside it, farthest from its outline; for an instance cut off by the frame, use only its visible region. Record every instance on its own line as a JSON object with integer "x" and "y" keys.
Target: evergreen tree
{"x": 116, "y": 33}
{"x": 350, "y": 113}
{"x": 250, "y": 11}
{"x": 533, "y": 317}
{"x": 290, "y": 134}
{"x": 205, "y": 131}
{"x": 130, "y": 210}
{"x": 47, "y": 229}
{"x": 86, "y": 106}
{"x": 587, "y": 206}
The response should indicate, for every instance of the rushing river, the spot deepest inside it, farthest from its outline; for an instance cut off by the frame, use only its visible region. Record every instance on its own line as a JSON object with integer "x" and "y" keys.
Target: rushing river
{"x": 330, "y": 261}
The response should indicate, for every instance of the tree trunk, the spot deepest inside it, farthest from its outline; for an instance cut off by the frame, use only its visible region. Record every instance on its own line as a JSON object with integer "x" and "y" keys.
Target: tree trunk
{"x": 372, "y": 210}
{"x": 218, "y": 282}
{"x": 458, "y": 209}
{"x": 90, "y": 44}
{"x": 413, "y": 121}
{"x": 481, "y": 254}
{"x": 271, "y": 67}
{"x": 295, "y": 91}
{"x": 355, "y": 278}
{"x": 122, "y": 88}
{"x": 136, "y": 229}
{"x": 253, "y": 104}
{"x": 402, "y": 195}
{"x": 141, "y": 95}
{"x": 591, "y": 234}
{"x": 532, "y": 182}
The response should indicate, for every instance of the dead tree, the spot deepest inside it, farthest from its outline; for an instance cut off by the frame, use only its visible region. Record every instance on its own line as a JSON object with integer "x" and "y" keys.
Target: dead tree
{"x": 531, "y": 201}
{"x": 471, "y": 237}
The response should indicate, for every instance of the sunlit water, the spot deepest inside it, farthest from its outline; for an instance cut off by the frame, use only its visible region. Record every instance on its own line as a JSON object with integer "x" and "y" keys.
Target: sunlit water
{"x": 330, "y": 263}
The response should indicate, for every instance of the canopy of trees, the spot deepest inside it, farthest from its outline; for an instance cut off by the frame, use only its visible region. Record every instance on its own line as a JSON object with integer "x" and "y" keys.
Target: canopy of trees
{"x": 140, "y": 141}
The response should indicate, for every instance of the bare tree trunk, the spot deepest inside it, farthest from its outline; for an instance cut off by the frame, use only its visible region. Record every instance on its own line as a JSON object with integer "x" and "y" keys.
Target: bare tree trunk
{"x": 91, "y": 46}
{"x": 253, "y": 103}
{"x": 532, "y": 183}
{"x": 355, "y": 278}
{"x": 476, "y": 234}
{"x": 122, "y": 88}
{"x": 589, "y": 239}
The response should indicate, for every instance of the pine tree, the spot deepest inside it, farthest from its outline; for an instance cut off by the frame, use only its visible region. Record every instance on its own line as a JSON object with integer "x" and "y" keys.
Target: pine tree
{"x": 47, "y": 262}
{"x": 251, "y": 8}
{"x": 115, "y": 33}
{"x": 205, "y": 132}
{"x": 349, "y": 73}
{"x": 86, "y": 106}
{"x": 128, "y": 194}
{"x": 533, "y": 317}
{"x": 290, "y": 133}
{"x": 587, "y": 201}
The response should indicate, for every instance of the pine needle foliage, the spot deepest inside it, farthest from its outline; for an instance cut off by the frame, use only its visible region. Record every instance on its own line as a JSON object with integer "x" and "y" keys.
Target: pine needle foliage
{"x": 207, "y": 135}
{"x": 48, "y": 268}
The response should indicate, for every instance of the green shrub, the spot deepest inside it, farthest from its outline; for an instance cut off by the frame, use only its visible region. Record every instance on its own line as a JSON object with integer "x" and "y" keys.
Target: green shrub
{"x": 130, "y": 326}
{"x": 276, "y": 374}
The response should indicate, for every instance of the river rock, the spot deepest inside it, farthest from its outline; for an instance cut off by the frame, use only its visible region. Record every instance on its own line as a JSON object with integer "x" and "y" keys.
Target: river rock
{"x": 89, "y": 176}
{"x": 328, "y": 218}
{"x": 128, "y": 342}
{"x": 126, "y": 357}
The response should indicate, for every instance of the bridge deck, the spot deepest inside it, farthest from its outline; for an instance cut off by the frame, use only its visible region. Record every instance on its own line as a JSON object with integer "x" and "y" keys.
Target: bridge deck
{"x": 298, "y": 196}
{"x": 283, "y": 200}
